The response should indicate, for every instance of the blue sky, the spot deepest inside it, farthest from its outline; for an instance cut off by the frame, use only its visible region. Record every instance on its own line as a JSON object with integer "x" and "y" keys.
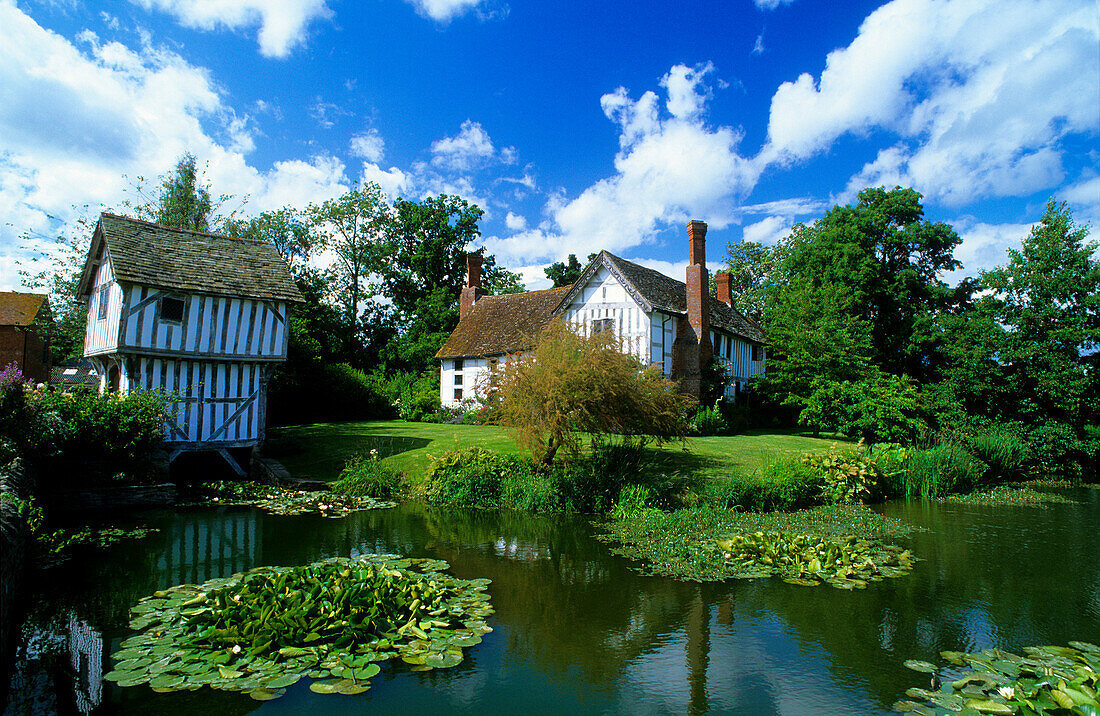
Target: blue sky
{"x": 576, "y": 126}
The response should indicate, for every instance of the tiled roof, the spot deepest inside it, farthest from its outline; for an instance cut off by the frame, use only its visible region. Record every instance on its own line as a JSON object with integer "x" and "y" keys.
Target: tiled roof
{"x": 19, "y": 309}
{"x": 502, "y": 324}
{"x": 74, "y": 374}
{"x": 663, "y": 293}
{"x": 161, "y": 256}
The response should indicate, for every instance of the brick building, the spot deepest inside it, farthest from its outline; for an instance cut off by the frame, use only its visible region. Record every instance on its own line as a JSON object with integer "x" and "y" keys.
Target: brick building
{"x": 24, "y": 334}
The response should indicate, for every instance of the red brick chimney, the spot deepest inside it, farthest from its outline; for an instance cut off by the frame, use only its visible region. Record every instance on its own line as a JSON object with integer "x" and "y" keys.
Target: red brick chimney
{"x": 473, "y": 291}
{"x": 694, "y": 339}
{"x": 722, "y": 281}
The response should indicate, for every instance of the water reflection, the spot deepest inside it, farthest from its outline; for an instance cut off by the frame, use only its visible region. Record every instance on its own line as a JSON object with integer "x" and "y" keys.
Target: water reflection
{"x": 577, "y": 630}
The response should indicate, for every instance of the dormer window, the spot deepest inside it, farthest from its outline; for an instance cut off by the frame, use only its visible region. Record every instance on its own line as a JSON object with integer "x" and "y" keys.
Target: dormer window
{"x": 171, "y": 309}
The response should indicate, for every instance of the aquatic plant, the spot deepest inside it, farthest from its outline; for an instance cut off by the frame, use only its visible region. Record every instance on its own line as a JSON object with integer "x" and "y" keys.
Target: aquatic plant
{"x": 264, "y": 630}
{"x": 284, "y": 501}
{"x": 849, "y": 475}
{"x": 810, "y": 561}
{"x": 1048, "y": 680}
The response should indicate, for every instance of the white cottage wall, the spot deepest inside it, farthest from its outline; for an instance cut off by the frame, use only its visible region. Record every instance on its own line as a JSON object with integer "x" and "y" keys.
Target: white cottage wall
{"x": 470, "y": 378}
{"x": 605, "y": 298}
{"x": 101, "y": 334}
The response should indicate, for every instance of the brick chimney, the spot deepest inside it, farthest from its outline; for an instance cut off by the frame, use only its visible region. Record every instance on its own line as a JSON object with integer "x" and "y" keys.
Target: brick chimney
{"x": 473, "y": 291}
{"x": 722, "y": 281}
{"x": 693, "y": 347}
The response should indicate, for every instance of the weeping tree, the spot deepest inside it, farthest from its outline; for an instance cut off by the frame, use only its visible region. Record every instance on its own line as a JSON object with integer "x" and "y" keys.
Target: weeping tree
{"x": 570, "y": 384}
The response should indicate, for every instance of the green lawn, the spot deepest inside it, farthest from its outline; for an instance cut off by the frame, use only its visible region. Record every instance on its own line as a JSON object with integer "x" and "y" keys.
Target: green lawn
{"x": 319, "y": 451}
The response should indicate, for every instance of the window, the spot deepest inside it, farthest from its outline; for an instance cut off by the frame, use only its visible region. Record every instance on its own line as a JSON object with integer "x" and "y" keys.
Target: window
{"x": 603, "y": 325}
{"x": 458, "y": 380}
{"x": 104, "y": 296}
{"x": 757, "y": 352}
{"x": 458, "y": 393}
{"x": 458, "y": 364}
{"x": 171, "y": 309}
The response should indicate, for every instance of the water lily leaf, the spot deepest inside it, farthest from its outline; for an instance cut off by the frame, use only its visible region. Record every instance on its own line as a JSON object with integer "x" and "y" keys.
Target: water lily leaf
{"x": 166, "y": 681}
{"x": 324, "y": 687}
{"x": 922, "y": 666}
{"x": 282, "y": 681}
{"x": 988, "y": 706}
{"x": 229, "y": 673}
{"x": 266, "y": 694}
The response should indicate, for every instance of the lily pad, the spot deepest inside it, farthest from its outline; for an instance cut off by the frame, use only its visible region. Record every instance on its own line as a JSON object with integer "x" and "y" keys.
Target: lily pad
{"x": 922, "y": 666}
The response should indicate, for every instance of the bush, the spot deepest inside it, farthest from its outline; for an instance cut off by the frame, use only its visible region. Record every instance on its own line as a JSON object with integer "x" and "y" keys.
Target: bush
{"x": 939, "y": 470}
{"x": 471, "y": 477}
{"x": 367, "y": 477}
{"x": 784, "y": 484}
{"x": 847, "y": 476}
{"x": 890, "y": 460}
{"x": 708, "y": 421}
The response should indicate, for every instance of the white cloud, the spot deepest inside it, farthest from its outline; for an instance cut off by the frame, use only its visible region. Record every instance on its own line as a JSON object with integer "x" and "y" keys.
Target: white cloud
{"x": 515, "y": 222}
{"x": 117, "y": 113}
{"x": 984, "y": 246}
{"x": 283, "y": 23}
{"x": 671, "y": 167}
{"x": 468, "y": 149}
{"x": 980, "y": 93}
{"x": 368, "y": 145}
{"x": 771, "y": 4}
{"x": 392, "y": 181}
{"x": 443, "y": 10}
{"x": 758, "y": 46}
{"x": 767, "y": 231}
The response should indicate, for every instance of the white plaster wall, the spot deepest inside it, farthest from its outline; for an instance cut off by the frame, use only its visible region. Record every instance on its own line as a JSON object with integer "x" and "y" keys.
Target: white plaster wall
{"x": 101, "y": 335}
{"x": 474, "y": 375}
{"x": 605, "y": 297}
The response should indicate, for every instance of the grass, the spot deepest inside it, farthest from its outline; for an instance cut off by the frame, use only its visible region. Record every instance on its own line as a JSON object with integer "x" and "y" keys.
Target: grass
{"x": 320, "y": 451}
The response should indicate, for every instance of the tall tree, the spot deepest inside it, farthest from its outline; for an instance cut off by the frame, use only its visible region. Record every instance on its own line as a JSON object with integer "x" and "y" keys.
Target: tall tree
{"x": 287, "y": 229}
{"x": 566, "y": 273}
{"x": 354, "y": 229}
{"x": 755, "y": 277}
{"x": 890, "y": 258}
{"x": 1048, "y": 299}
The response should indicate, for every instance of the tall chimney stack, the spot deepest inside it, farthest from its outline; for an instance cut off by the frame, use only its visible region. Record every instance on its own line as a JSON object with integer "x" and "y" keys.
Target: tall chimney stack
{"x": 722, "y": 281}
{"x": 698, "y": 309}
{"x": 473, "y": 291}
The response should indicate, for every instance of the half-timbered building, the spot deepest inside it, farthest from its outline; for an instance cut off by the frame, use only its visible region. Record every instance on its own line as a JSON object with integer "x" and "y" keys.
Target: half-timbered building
{"x": 659, "y": 320}
{"x": 200, "y": 316}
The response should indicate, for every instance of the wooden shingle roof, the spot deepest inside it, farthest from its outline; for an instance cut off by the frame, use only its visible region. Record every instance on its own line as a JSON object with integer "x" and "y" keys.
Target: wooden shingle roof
{"x": 497, "y": 325}
{"x": 19, "y": 309}
{"x": 153, "y": 255}
{"x": 655, "y": 291}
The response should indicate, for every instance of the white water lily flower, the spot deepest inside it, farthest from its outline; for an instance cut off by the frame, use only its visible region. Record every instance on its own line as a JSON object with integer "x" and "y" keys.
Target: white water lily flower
{"x": 1006, "y": 692}
{"x": 236, "y": 649}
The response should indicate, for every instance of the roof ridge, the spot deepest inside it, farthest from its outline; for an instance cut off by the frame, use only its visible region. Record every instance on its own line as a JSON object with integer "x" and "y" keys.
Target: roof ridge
{"x": 211, "y": 234}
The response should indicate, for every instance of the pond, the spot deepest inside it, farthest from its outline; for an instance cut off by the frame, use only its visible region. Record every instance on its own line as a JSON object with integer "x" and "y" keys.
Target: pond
{"x": 577, "y": 631}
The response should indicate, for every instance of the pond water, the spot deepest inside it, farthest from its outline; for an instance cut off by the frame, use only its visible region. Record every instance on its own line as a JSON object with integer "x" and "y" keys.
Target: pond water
{"x": 577, "y": 631}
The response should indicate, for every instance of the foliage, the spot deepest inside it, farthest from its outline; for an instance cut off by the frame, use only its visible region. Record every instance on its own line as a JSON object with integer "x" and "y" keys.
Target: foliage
{"x": 783, "y": 484}
{"x": 367, "y": 477}
{"x": 939, "y": 470}
{"x": 1047, "y": 680}
{"x": 849, "y": 475}
{"x": 755, "y": 278}
{"x": 470, "y": 477}
{"x": 566, "y": 273}
{"x": 709, "y": 421}
{"x": 262, "y": 631}
{"x": 569, "y": 383}
{"x": 314, "y": 392}
{"x": 808, "y": 561}
{"x": 889, "y": 257}
{"x": 353, "y": 228}
{"x": 683, "y": 544}
{"x": 880, "y": 407}
{"x": 286, "y": 229}
{"x": 633, "y": 499}
{"x": 1004, "y": 452}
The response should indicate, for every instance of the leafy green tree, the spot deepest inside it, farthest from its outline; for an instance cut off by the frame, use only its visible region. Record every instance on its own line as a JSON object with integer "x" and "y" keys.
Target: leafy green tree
{"x": 570, "y": 384}
{"x": 1047, "y": 298}
{"x": 566, "y": 273}
{"x": 756, "y": 276}
{"x": 889, "y": 257}
{"x": 354, "y": 228}
{"x": 287, "y": 229}
{"x": 877, "y": 408}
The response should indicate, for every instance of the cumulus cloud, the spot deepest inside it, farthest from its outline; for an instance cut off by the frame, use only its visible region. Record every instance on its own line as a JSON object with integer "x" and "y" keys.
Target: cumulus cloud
{"x": 767, "y": 231}
{"x": 76, "y": 121}
{"x": 468, "y": 149}
{"x": 980, "y": 95}
{"x": 443, "y": 10}
{"x": 671, "y": 166}
{"x": 368, "y": 145}
{"x": 515, "y": 222}
{"x": 283, "y": 23}
{"x": 984, "y": 246}
{"x": 770, "y": 4}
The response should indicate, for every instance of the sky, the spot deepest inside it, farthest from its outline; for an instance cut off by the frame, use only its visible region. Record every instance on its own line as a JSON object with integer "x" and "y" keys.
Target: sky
{"x": 576, "y": 126}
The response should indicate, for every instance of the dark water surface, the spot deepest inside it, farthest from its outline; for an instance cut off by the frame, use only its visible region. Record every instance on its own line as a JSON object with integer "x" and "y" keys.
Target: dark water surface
{"x": 576, "y": 631}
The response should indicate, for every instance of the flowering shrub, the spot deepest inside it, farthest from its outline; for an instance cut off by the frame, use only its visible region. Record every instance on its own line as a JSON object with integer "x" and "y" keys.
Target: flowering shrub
{"x": 848, "y": 475}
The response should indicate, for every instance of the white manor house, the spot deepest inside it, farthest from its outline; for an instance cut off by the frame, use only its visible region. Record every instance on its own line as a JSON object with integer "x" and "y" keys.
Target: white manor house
{"x": 659, "y": 320}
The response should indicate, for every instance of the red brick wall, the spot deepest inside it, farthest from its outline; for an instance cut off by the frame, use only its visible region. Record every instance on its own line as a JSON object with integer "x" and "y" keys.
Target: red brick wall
{"x": 15, "y": 344}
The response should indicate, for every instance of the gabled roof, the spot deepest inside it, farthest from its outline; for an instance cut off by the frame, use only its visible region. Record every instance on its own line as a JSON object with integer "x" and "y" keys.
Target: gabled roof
{"x": 153, "y": 255}
{"x": 502, "y": 324}
{"x": 655, "y": 291}
{"x": 20, "y": 309}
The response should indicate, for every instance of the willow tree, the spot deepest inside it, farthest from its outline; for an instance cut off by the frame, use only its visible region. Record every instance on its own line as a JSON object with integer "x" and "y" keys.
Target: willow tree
{"x": 570, "y": 384}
